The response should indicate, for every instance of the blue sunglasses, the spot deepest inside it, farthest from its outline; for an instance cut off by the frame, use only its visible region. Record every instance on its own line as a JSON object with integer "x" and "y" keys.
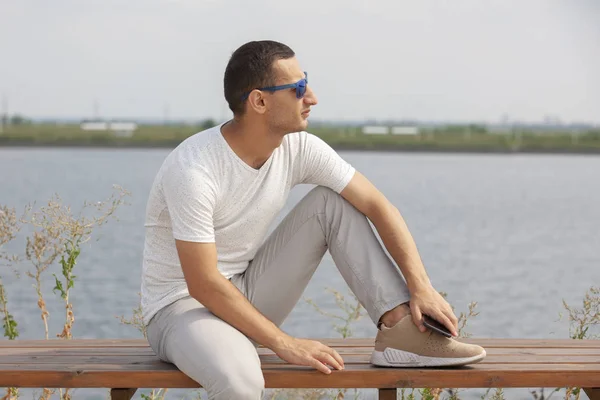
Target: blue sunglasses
{"x": 300, "y": 87}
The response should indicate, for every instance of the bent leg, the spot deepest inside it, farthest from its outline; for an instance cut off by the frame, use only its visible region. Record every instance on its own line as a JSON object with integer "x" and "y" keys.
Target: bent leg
{"x": 322, "y": 220}
{"x": 208, "y": 350}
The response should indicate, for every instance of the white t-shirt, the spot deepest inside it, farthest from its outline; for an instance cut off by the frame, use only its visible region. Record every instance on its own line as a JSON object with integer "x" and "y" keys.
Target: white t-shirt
{"x": 204, "y": 192}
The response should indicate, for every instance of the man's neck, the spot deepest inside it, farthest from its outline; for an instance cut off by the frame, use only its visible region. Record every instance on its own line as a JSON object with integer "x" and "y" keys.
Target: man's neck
{"x": 253, "y": 145}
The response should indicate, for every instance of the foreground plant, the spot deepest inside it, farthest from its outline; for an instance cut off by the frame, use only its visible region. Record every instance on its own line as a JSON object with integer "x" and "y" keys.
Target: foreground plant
{"x": 136, "y": 321}
{"x": 583, "y": 324}
{"x": 9, "y": 227}
{"x": 584, "y": 321}
{"x": 57, "y": 234}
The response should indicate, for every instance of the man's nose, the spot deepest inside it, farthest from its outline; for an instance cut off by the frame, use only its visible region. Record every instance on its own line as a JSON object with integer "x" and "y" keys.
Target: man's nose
{"x": 310, "y": 97}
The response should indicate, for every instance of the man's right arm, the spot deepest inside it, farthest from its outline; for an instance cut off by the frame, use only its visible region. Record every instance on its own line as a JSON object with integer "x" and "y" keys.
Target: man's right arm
{"x": 207, "y": 285}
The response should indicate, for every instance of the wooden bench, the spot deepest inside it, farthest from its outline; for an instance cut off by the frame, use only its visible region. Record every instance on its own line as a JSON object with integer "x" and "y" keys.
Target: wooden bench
{"x": 125, "y": 365}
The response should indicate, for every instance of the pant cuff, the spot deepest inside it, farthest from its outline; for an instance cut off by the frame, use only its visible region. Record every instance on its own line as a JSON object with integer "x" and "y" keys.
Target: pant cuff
{"x": 382, "y": 307}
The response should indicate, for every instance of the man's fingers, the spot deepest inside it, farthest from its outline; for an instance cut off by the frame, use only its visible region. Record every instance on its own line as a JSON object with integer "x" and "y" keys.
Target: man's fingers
{"x": 444, "y": 320}
{"x": 453, "y": 323}
{"x": 334, "y": 354}
{"x": 338, "y": 358}
{"x": 328, "y": 359}
{"x": 453, "y": 320}
{"x": 418, "y": 319}
{"x": 320, "y": 366}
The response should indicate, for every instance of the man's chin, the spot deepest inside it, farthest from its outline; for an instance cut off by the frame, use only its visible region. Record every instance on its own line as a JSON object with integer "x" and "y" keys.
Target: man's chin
{"x": 299, "y": 127}
{"x": 303, "y": 125}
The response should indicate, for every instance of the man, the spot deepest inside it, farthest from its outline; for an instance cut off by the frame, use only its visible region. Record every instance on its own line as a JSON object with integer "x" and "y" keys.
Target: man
{"x": 213, "y": 288}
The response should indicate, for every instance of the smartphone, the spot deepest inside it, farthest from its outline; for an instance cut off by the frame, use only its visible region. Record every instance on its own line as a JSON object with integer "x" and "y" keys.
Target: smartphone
{"x": 436, "y": 326}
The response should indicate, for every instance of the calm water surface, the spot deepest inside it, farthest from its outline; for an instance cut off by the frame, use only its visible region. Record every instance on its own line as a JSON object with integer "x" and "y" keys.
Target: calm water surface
{"x": 515, "y": 233}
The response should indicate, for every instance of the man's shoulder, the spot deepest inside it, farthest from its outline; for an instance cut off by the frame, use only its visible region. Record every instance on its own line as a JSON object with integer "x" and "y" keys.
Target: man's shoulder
{"x": 198, "y": 150}
{"x": 295, "y": 139}
{"x": 200, "y": 141}
{"x": 303, "y": 141}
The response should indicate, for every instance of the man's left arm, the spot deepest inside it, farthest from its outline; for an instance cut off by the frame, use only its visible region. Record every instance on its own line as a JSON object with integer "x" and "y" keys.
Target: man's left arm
{"x": 394, "y": 233}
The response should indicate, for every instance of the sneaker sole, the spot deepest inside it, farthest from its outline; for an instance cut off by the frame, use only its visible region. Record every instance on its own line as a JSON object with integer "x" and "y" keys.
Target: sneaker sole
{"x": 399, "y": 358}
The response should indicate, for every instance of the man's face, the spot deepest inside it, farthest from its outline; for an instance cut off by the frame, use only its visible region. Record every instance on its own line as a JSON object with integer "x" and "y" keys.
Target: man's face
{"x": 286, "y": 112}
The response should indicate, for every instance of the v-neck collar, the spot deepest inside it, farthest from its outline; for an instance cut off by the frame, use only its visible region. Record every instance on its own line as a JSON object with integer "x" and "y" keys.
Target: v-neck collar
{"x": 233, "y": 154}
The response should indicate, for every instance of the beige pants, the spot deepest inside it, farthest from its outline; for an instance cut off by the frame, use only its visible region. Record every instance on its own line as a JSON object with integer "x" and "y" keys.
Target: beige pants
{"x": 222, "y": 359}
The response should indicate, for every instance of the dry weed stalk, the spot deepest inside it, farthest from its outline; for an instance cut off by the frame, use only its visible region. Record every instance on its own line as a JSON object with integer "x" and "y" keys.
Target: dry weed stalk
{"x": 42, "y": 249}
{"x": 11, "y": 394}
{"x": 9, "y": 227}
{"x": 583, "y": 321}
{"x": 352, "y": 312}
{"x": 60, "y": 233}
{"x": 155, "y": 394}
{"x": 57, "y": 233}
{"x": 582, "y": 324}
{"x": 137, "y": 321}
{"x": 464, "y": 318}
{"x": 498, "y": 394}
{"x": 47, "y": 393}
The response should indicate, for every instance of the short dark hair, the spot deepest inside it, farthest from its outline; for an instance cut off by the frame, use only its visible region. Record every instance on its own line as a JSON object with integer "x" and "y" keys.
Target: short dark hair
{"x": 251, "y": 67}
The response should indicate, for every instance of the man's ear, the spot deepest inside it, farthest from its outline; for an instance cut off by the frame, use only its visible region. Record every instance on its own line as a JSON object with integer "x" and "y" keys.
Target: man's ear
{"x": 257, "y": 101}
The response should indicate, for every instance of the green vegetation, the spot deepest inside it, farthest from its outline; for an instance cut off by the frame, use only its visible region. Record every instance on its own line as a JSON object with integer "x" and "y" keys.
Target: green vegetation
{"x": 451, "y": 138}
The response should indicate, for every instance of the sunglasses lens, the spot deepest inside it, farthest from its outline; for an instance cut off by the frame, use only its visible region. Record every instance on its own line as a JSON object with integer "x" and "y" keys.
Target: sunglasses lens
{"x": 301, "y": 90}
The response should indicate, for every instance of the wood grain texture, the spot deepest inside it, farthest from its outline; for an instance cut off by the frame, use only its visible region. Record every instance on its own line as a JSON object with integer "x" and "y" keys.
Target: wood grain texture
{"x": 350, "y": 342}
{"x": 86, "y": 363}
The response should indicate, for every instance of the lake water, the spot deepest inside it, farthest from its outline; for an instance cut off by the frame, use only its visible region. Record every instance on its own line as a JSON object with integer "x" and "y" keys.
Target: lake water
{"x": 516, "y": 233}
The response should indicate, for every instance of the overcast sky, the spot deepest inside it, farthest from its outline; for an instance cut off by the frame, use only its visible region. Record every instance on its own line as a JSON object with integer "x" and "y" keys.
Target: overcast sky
{"x": 430, "y": 60}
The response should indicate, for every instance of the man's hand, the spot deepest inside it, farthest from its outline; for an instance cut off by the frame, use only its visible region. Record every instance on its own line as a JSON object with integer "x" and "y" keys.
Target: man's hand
{"x": 310, "y": 353}
{"x": 428, "y": 301}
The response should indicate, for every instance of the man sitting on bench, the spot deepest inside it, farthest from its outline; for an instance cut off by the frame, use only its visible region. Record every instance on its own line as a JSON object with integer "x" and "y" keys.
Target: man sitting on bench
{"x": 213, "y": 287}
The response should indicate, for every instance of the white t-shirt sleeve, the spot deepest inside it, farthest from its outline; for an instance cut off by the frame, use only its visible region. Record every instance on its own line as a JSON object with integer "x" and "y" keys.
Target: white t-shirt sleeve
{"x": 190, "y": 197}
{"x": 323, "y": 166}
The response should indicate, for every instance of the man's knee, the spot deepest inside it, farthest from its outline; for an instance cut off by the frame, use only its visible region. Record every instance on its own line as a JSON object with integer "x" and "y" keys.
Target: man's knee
{"x": 327, "y": 196}
{"x": 244, "y": 384}
{"x": 324, "y": 194}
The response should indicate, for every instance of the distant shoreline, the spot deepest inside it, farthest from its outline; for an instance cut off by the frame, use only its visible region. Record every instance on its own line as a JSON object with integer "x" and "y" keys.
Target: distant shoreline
{"x": 467, "y": 139}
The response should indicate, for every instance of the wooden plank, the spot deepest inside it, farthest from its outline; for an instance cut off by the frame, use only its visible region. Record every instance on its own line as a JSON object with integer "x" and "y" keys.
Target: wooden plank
{"x": 388, "y": 394}
{"x": 592, "y": 393}
{"x": 122, "y": 394}
{"x": 491, "y": 351}
{"x": 350, "y": 342}
{"x": 485, "y": 342}
{"x": 154, "y": 365}
{"x": 52, "y": 360}
{"x": 545, "y": 363}
{"x": 490, "y": 359}
{"x": 90, "y": 351}
{"x": 75, "y": 343}
{"x": 147, "y": 351}
{"x": 290, "y": 376}
{"x": 500, "y": 368}
{"x": 562, "y": 351}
